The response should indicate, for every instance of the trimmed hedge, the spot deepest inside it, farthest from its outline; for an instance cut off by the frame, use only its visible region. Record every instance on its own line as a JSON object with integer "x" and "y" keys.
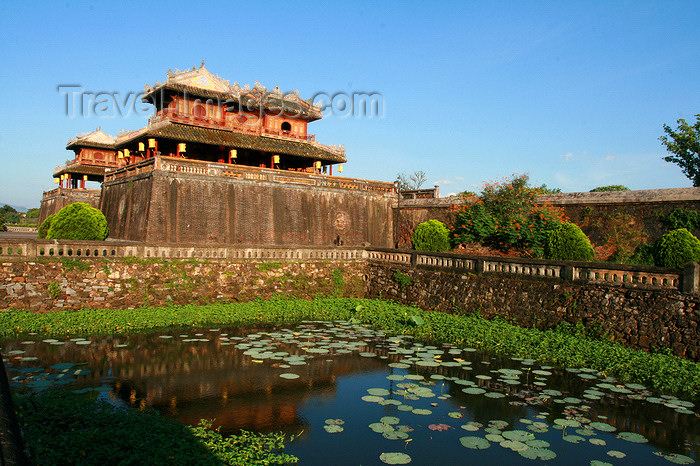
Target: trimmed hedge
{"x": 432, "y": 235}
{"x": 78, "y": 221}
{"x": 568, "y": 243}
{"x": 45, "y": 225}
{"x": 676, "y": 248}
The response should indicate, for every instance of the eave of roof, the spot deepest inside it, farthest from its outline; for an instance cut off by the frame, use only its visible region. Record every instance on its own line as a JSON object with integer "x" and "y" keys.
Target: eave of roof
{"x": 274, "y": 145}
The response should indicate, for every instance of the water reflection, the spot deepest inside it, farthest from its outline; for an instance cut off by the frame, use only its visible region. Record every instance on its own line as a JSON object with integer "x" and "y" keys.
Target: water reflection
{"x": 233, "y": 375}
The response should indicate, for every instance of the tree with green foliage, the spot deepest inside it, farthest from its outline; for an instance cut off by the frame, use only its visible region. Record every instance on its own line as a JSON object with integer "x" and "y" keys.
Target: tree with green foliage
{"x": 612, "y": 187}
{"x": 681, "y": 218}
{"x": 33, "y": 213}
{"x": 544, "y": 189}
{"x": 676, "y": 248}
{"x": 10, "y": 214}
{"x": 2, "y": 221}
{"x": 506, "y": 215}
{"x": 78, "y": 221}
{"x": 432, "y": 235}
{"x": 567, "y": 242}
{"x": 410, "y": 182}
{"x": 684, "y": 145}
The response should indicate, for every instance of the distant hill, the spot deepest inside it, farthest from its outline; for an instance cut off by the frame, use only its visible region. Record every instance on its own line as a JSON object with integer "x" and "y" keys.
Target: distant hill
{"x": 17, "y": 208}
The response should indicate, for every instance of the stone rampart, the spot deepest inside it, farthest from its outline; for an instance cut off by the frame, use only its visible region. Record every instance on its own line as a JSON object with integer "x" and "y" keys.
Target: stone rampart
{"x": 184, "y": 201}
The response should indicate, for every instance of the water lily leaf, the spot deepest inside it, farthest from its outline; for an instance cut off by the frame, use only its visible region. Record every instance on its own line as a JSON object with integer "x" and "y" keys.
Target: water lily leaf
{"x": 395, "y": 458}
{"x": 517, "y": 435}
{"x": 456, "y": 415}
{"x": 333, "y": 429}
{"x": 600, "y": 463}
{"x": 598, "y": 441}
{"x": 675, "y": 458}
{"x": 537, "y": 443}
{"x": 475, "y": 443}
{"x": 372, "y": 398}
{"x": 389, "y": 420}
{"x": 473, "y": 391}
{"x": 439, "y": 427}
{"x": 632, "y": 437}
{"x": 422, "y": 412}
{"x": 289, "y": 375}
{"x": 514, "y": 445}
{"x": 573, "y": 439}
{"x": 616, "y": 454}
{"x": 602, "y": 426}
{"x": 496, "y": 438}
{"x": 472, "y": 426}
{"x": 378, "y": 391}
{"x": 538, "y": 453}
{"x": 335, "y": 422}
{"x": 380, "y": 427}
{"x": 567, "y": 422}
{"x": 495, "y": 395}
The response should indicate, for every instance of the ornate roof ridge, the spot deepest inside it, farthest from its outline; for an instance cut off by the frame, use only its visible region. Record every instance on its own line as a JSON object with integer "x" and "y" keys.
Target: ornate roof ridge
{"x": 97, "y": 136}
{"x": 204, "y": 79}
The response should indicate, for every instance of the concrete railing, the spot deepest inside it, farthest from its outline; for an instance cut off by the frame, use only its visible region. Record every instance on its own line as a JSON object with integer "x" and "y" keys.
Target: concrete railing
{"x": 599, "y": 273}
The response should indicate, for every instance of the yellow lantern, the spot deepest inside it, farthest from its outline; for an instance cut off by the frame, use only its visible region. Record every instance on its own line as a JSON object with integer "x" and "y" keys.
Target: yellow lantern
{"x": 126, "y": 153}
{"x": 151, "y": 143}
{"x": 120, "y": 155}
{"x": 84, "y": 177}
{"x": 340, "y": 169}
{"x": 233, "y": 153}
{"x": 142, "y": 147}
{"x": 55, "y": 180}
{"x": 182, "y": 147}
{"x": 275, "y": 159}
{"x": 317, "y": 165}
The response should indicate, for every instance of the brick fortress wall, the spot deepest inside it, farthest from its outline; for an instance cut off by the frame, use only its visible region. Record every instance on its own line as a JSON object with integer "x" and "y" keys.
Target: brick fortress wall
{"x": 194, "y": 202}
{"x": 593, "y": 212}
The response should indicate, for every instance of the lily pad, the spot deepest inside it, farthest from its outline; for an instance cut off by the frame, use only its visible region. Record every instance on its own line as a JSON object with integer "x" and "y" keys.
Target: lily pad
{"x": 538, "y": 454}
{"x": 632, "y": 437}
{"x": 602, "y": 426}
{"x": 289, "y": 375}
{"x": 422, "y": 412}
{"x": 395, "y": 458}
{"x": 333, "y": 429}
{"x": 675, "y": 458}
{"x": 616, "y": 454}
{"x": 475, "y": 443}
{"x": 389, "y": 420}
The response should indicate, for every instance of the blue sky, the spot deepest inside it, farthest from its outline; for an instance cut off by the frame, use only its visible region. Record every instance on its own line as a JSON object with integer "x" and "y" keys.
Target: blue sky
{"x": 573, "y": 93}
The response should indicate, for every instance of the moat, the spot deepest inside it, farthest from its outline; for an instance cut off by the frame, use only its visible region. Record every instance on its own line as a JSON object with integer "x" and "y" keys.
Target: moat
{"x": 352, "y": 394}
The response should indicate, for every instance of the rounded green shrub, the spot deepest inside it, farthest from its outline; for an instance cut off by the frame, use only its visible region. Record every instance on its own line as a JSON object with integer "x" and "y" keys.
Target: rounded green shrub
{"x": 45, "y": 225}
{"x": 432, "y": 235}
{"x": 568, "y": 243}
{"x": 78, "y": 221}
{"x": 677, "y": 247}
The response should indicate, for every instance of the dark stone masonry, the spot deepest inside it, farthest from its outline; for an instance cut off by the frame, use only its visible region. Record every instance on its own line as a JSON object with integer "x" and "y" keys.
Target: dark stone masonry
{"x": 650, "y": 320}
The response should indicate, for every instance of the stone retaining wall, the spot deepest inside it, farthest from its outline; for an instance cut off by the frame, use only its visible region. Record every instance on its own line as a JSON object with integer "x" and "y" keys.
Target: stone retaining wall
{"x": 646, "y": 319}
{"x": 50, "y": 284}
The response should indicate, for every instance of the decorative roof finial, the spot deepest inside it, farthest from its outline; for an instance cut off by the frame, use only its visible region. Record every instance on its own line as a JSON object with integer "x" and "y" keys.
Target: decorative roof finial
{"x": 202, "y": 65}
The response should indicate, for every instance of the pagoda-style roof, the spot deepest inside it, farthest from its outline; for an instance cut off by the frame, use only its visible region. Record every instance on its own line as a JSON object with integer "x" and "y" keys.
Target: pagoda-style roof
{"x": 200, "y": 82}
{"x": 97, "y": 139}
{"x": 276, "y": 145}
{"x": 77, "y": 168}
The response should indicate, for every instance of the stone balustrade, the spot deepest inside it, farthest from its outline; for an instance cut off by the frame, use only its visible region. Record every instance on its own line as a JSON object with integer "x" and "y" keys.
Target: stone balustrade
{"x": 598, "y": 273}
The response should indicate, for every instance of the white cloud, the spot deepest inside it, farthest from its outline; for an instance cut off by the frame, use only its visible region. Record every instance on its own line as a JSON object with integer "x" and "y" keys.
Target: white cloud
{"x": 567, "y": 156}
{"x": 610, "y": 157}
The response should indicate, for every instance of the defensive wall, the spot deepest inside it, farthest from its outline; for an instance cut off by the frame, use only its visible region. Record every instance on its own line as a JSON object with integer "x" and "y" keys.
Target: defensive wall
{"x": 56, "y": 199}
{"x": 652, "y": 308}
{"x": 593, "y": 212}
{"x": 166, "y": 199}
